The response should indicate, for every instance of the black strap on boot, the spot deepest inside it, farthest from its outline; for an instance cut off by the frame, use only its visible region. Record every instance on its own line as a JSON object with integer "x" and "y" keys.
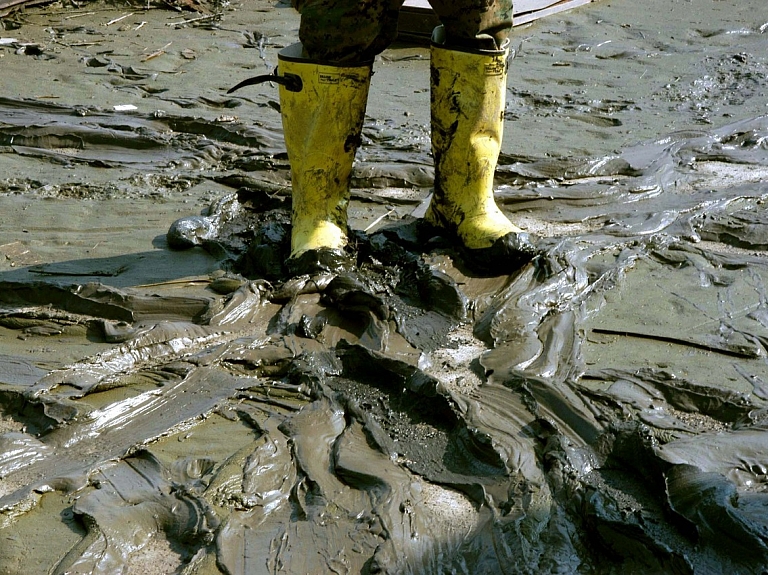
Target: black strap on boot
{"x": 292, "y": 82}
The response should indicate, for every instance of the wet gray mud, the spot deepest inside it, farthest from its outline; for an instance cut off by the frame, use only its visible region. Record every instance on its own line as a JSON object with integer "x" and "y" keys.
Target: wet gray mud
{"x": 170, "y": 404}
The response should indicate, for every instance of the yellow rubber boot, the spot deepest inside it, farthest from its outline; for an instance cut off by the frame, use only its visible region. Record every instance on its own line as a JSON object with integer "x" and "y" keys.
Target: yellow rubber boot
{"x": 323, "y": 108}
{"x": 468, "y": 96}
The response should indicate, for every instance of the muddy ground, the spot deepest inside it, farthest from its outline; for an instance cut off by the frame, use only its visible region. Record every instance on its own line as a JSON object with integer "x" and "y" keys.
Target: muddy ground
{"x": 169, "y": 404}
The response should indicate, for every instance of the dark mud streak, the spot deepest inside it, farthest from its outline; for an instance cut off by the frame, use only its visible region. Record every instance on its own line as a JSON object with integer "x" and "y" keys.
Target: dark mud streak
{"x": 743, "y": 353}
{"x": 112, "y": 139}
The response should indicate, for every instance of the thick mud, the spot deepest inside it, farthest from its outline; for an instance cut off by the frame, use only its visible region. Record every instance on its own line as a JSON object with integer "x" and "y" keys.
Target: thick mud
{"x": 169, "y": 403}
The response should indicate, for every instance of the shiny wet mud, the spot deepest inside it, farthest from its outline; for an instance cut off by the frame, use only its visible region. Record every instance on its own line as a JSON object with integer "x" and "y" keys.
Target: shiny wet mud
{"x": 170, "y": 405}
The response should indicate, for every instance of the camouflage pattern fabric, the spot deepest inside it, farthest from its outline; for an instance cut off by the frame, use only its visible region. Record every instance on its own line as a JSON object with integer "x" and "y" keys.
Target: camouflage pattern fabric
{"x": 352, "y": 31}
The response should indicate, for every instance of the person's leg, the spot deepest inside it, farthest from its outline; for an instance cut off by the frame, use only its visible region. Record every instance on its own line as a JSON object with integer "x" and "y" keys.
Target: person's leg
{"x": 468, "y": 93}
{"x": 323, "y": 109}
{"x": 346, "y": 31}
{"x": 475, "y": 24}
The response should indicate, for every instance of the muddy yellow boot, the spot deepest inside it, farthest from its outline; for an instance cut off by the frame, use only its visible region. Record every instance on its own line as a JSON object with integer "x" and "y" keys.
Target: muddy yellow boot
{"x": 323, "y": 107}
{"x": 468, "y": 91}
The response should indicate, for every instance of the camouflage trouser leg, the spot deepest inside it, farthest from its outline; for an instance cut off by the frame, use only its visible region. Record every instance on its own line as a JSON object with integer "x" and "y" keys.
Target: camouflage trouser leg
{"x": 475, "y": 24}
{"x": 351, "y": 31}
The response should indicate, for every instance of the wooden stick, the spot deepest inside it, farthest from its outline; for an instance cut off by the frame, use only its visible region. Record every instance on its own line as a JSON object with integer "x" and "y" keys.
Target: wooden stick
{"x": 156, "y": 53}
{"x": 208, "y": 17}
{"x": 118, "y": 19}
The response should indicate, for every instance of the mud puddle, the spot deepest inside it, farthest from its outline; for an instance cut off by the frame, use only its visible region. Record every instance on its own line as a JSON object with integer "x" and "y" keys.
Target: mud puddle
{"x": 169, "y": 404}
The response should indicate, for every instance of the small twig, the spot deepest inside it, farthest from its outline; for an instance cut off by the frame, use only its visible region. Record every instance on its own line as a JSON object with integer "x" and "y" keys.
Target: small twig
{"x": 156, "y": 53}
{"x": 79, "y": 15}
{"x": 208, "y": 17}
{"x": 118, "y": 19}
{"x": 377, "y": 220}
{"x": 140, "y": 26}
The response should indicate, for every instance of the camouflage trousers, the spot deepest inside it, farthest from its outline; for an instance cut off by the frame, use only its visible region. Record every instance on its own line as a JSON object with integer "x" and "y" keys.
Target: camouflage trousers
{"x": 350, "y": 31}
